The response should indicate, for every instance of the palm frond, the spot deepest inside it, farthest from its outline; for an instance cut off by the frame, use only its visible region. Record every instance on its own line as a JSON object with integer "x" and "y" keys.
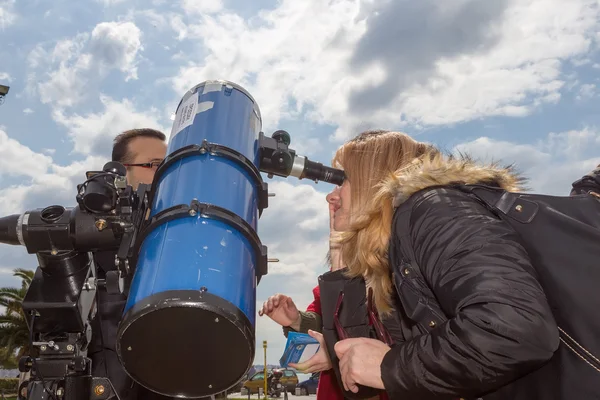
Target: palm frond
{"x": 7, "y": 303}
{"x": 12, "y": 319}
{"x": 25, "y": 274}
{"x": 14, "y": 332}
{"x": 11, "y": 293}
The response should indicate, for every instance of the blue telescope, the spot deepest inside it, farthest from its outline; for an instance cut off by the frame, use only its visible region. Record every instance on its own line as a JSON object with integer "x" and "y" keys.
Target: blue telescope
{"x": 188, "y": 240}
{"x": 188, "y": 329}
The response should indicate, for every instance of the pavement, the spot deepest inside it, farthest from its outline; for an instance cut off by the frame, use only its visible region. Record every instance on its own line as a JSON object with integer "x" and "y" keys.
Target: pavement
{"x": 255, "y": 397}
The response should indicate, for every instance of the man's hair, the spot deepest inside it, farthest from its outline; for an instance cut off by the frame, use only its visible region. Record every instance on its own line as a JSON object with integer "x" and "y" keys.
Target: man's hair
{"x": 120, "y": 152}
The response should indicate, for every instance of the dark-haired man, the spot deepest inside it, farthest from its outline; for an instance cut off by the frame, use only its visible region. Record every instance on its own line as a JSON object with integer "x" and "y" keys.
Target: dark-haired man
{"x": 141, "y": 151}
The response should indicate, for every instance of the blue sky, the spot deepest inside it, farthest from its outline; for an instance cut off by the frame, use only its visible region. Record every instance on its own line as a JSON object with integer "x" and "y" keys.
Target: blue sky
{"x": 511, "y": 79}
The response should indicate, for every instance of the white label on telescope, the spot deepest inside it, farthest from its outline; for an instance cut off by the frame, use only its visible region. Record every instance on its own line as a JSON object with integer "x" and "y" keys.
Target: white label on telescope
{"x": 212, "y": 87}
{"x": 205, "y": 106}
{"x": 185, "y": 115}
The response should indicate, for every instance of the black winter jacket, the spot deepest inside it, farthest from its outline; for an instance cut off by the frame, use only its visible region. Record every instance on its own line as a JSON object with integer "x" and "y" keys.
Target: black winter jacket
{"x": 498, "y": 327}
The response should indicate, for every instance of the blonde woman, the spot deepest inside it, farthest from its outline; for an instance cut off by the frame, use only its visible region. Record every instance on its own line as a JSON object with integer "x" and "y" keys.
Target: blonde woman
{"x": 490, "y": 324}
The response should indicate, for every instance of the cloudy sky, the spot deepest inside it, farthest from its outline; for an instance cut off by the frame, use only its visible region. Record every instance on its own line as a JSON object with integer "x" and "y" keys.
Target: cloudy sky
{"x": 516, "y": 80}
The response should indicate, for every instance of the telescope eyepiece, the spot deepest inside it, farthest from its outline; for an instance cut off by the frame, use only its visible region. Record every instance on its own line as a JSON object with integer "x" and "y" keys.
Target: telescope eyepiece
{"x": 278, "y": 159}
{"x": 316, "y": 171}
{"x": 99, "y": 193}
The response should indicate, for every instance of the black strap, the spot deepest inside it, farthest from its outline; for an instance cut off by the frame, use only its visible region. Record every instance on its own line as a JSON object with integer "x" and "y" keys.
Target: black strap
{"x": 513, "y": 205}
{"x": 352, "y": 316}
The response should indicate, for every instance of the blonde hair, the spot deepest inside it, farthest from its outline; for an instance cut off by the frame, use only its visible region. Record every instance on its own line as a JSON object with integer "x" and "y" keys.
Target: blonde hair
{"x": 368, "y": 161}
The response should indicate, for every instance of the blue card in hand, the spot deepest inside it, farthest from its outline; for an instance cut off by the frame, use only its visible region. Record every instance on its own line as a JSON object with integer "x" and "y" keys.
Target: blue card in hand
{"x": 299, "y": 348}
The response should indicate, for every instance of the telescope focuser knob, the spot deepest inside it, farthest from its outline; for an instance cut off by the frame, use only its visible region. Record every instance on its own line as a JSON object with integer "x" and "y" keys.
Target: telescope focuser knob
{"x": 282, "y": 136}
{"x": 115, "y": 167}
{"x": 113, "y": 282}
{"x": 101, "y": 224}
{"x": 282, "y": 160}
{"x": 25, "y": 364}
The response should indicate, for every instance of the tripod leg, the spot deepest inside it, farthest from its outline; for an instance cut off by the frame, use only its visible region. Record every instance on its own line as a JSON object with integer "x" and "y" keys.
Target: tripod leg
{"x": 77, "y": 387}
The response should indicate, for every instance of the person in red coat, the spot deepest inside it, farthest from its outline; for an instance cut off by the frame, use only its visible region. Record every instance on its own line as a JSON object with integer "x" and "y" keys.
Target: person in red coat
{"x": 282, "y": 309}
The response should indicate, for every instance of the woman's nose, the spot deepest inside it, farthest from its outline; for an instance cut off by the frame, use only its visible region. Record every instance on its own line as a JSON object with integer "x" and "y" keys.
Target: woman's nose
{"x": 333, "y": 196}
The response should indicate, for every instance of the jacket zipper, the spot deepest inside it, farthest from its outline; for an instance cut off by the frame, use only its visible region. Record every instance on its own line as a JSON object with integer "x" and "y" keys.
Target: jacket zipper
{"x": 579, "y": 350}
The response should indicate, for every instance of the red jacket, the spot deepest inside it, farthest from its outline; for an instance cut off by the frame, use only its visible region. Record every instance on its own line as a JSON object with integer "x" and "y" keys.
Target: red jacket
{"x": 328, "y": 388}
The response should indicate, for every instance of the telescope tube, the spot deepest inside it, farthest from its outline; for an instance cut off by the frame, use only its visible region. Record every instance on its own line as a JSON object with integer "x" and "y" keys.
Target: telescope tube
{"x": 188, "y": 325}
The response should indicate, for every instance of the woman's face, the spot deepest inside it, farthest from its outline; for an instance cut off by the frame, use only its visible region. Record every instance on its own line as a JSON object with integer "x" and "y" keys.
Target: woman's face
{"x": 339, "y": 199}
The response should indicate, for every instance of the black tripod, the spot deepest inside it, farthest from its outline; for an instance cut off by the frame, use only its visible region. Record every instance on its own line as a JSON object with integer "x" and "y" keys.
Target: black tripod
{"x": 61, "y": 300}
{"x": 60, "y": 307}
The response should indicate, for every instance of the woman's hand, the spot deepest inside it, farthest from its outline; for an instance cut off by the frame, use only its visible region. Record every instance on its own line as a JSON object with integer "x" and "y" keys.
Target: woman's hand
{"x": 360, "y": 362}
{"x": 317, "y": 363}
{"x": 281, "y": 309}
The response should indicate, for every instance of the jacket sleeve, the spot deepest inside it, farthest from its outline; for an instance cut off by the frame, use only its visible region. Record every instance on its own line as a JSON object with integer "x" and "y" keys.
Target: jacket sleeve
{"x": 499, "y": 327}
{"x": 309, "y": 320}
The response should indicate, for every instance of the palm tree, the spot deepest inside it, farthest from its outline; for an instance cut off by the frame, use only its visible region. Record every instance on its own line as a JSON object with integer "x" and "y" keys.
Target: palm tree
{"x": 14, "y": 332}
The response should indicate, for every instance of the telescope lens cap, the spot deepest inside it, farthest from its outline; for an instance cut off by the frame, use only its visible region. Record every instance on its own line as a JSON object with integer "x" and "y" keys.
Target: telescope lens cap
{"x": 203, "y": 344}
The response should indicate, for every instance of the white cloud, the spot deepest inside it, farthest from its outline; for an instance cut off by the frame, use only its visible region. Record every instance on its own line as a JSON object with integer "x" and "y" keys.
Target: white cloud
{"x": 46, "y": 181}
{"x": 529, "y": 156}
{"x": 4, "y": 76}
{"x": 156, "y": 18}
{"x": 27, "y": 111}
{"x": 93, "y": 133}
{"x": 551, "y": 165}
{"x": 586, "y": 91}
{"x": 116, "y": 45}
{"x": 574, "y": 144}
{"x": 19, "y": 160}
{"x": 295, "y": 222}
{"x": 291, "y": 45}
{"x": 296, "y": 58}
{"x": 76, "y": 66}
{"x": 57, "y": 186}
{"x": 108, "y": 3}
{"x": 7, "y": 13}
{"x": 200, "y": 7}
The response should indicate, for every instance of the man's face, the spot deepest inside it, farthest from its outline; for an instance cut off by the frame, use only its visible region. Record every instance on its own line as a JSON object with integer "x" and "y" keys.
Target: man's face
{"x": 144, "y": 150}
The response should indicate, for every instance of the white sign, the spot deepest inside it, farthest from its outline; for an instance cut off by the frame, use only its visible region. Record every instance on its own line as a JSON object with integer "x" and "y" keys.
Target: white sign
{"x": 185, "y": 114}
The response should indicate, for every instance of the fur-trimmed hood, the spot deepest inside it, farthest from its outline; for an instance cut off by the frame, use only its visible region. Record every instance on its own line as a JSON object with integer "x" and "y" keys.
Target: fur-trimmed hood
{"x": 440, "y": 170}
